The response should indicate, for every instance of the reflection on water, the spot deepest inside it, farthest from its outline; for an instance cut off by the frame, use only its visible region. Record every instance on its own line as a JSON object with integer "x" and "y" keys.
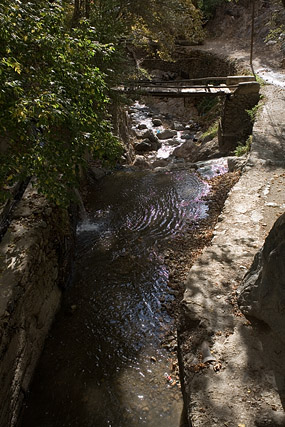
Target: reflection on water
{"x": 103, "y": 364}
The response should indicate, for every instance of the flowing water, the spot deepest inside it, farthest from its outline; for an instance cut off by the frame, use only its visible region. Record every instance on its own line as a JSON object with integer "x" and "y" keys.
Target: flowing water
{"x": 103, "y": 363}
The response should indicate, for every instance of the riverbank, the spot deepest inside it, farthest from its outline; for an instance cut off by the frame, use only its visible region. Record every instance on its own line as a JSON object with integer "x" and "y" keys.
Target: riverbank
{"x": 241, "y": 390}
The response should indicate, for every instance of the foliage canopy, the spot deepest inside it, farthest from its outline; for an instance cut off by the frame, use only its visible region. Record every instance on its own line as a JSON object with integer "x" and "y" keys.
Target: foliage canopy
{"x": 53, "y": 99}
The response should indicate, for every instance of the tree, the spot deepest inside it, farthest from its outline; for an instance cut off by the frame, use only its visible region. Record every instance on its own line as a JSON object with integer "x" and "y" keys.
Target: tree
{"x": 53, "y": 99}
{"x": 143, "y": 21}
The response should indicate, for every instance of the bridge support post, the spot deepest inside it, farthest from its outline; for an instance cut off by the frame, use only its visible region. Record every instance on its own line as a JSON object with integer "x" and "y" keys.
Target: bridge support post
{"x": 235, "y": 124}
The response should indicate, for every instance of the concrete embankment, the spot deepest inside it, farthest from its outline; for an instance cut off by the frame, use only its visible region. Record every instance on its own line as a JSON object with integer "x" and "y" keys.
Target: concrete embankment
{"x": 239, "y": 387}
{"x": 34, "y": 254}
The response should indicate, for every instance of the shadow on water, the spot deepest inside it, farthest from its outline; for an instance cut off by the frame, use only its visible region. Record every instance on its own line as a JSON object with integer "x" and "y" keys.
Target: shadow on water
{"x": 103, "y": 363}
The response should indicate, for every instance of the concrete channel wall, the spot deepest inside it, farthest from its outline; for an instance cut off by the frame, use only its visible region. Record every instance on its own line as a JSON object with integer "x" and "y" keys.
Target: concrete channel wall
{"x": 34, "y": 254}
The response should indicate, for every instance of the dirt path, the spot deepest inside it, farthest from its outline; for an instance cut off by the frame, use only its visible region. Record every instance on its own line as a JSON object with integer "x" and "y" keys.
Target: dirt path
{"x": 245, "y": 387}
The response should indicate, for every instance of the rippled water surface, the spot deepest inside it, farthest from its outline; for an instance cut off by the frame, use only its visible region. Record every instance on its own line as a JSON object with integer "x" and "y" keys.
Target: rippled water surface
{"x": 103, "y": 364}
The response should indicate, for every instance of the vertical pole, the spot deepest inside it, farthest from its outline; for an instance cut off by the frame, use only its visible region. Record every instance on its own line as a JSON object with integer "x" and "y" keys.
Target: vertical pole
{"x": 87, "y": 8}
{"x": 252, "y": 36}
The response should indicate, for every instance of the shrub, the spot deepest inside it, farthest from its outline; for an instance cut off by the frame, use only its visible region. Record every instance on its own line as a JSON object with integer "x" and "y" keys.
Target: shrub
{"x": 243, "y": 148}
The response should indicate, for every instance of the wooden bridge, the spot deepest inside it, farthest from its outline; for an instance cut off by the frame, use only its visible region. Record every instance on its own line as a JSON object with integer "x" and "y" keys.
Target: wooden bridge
{"x": 215, "y": 86}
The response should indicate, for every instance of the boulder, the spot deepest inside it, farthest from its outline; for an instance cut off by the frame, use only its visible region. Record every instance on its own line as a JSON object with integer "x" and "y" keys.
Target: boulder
{"x": 208, "y": 150}
{"x": 151, "y": 137}
{"x": 149, "y": 134}
{"x": 186, "y": 150}
{"x": 262, "y": 293}
{"x": 167, "y": 134}
{"x": 194, "y": 151}
{"x": 143, "y": 146}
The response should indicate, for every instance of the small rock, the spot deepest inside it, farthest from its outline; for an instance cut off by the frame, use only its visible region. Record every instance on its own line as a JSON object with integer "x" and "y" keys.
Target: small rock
{"x": 198, "y": 135}
{"x": 141, "y": 163}
{"x": 177, "y": 126}
{"x": 156, "y": 122}
{"x": 160, "y": 163}
{"x": 143, "y": 146}
{"x": 236, "y": 163}
{"x": 191, "y": 125}
{"x": 142, "y": 126}
{"x": 186, "y": 136}
{"x": 174, "y": 141}
{"x": 98, "y": 173}
{"x": 167, "y": 134}
{"x": 161, "y": 169}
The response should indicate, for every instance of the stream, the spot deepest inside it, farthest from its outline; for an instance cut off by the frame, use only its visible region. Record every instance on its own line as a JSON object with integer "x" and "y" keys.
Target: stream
{"x": 105, "y": 362}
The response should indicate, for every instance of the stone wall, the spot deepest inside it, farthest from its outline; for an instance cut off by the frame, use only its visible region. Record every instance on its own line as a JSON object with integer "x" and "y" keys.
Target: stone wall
{"x": 236, "y": 124}
{"x": 34, "y": 254}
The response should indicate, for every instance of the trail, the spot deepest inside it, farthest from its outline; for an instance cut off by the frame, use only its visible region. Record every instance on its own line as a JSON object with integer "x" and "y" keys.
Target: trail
{"x": 245, "y": 390}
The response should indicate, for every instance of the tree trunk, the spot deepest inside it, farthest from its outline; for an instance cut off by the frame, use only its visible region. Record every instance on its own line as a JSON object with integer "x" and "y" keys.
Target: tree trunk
{"x": 76, "y": 12}
{"x": 87, "y": 9}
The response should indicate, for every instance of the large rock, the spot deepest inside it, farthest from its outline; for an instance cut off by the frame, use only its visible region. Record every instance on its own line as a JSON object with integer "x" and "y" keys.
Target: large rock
{"x": 153, "y": 140}
{"x": 194, "y": 151}
{"x": 262, "y": 294}
{"x": 186, "y": 150}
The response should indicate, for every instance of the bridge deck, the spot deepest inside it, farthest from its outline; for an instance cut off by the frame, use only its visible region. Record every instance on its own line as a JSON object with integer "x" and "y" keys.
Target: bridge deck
{"x": 175, "y": 92}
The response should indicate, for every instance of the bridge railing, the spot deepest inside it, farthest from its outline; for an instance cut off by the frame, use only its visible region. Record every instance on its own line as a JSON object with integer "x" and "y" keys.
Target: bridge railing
{"x": 216, "y": 86}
